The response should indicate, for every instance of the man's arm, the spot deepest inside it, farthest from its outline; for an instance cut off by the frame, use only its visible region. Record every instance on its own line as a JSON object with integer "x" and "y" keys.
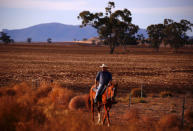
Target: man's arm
{"x": 97, "y": 79}
{"x": 96, "y": 83}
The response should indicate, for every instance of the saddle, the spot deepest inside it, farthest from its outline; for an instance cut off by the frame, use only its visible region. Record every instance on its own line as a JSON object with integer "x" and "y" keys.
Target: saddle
{"x": 100, "y": 95}
{"x": 95, "y": 89}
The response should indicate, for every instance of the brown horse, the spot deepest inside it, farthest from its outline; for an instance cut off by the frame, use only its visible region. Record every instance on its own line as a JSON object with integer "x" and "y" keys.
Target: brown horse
{"x": 107, "y": 101}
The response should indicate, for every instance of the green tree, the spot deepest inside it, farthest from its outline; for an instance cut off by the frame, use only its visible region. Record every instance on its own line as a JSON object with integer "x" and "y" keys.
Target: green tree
{"x": 114, "y": 28}
{"x": 141, "y": 38}
{"x": 156, "y": 35}
{"x": 84, "y": 39}
{"x": 29, "y": 40}
{"x": 5, "y": 38}
{"x": 175, "y": 33}
{"x": 49, "y": 40}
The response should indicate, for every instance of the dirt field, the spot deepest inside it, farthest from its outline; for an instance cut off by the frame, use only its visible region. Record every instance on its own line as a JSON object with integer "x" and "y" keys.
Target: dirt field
{"x": 75, "y": 68}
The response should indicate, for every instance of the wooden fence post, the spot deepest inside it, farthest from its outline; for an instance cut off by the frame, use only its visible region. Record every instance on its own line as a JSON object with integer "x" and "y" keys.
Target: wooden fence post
{"x": 183, "y": 108}
{"x": 37, "y": 83}
{"x": 129, "y": 100}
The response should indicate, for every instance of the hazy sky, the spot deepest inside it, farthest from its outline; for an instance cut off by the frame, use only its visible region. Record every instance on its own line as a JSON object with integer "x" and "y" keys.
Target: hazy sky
{"x": 16, "y": 14}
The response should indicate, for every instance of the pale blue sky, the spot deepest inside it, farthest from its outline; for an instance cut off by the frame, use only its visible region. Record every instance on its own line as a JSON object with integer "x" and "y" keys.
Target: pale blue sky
{"x": 16, "y": 14}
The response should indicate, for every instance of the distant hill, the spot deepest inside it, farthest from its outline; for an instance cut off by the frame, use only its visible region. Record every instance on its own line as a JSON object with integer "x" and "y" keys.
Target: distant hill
{"x": 56, "y": 31}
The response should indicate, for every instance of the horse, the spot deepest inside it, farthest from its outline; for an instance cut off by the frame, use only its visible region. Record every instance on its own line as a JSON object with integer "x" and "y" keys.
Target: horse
{"x": 106, "y": 101}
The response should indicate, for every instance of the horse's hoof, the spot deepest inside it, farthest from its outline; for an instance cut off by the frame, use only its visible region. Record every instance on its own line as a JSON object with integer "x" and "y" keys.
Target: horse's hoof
{"x": 99, "y": 123}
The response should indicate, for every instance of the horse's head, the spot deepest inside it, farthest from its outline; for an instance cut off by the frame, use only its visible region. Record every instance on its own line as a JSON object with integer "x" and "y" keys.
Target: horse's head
{"x": 113, "y": 90}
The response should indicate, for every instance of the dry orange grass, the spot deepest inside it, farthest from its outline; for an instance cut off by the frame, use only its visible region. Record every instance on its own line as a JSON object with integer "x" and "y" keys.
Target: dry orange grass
{"x": 76, "y": 121}
{"x": 22, "y": 88}
{"x": 131, "y": 115}
{"x": 169, "y": 122}
{"x": 43, "y": 90}
{"x": 61, "y": 95}
{"x": 14, "y": 115}
{"x": 189, "y": 119}
{"x": 9, "y": 112}
{"x": 135, "y": 122}
{"x": 28, "y": 111}
{"x": 7, "y": 91}
{"x": 79, "y": 102}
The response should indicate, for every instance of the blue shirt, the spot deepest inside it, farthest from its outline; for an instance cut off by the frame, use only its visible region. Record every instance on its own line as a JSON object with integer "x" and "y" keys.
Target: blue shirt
{"x": 103, "y": 77}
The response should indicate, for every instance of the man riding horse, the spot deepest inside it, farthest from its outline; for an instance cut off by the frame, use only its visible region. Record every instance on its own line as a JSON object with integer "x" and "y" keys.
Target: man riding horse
{"x": 104, "y": 95}
{"x": 103, "y": 79}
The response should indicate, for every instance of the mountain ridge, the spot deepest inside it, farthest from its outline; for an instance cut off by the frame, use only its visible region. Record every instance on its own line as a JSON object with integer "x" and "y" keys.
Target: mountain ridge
{"x": 58, "y": 32}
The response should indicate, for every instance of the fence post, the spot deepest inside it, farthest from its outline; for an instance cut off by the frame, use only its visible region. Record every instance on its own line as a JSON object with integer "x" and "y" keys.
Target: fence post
{"x": 37, "y": 83}
{"x": 183, "y": 107}
{"x": 141, "y": 91}
{"x": 129, "y": 100}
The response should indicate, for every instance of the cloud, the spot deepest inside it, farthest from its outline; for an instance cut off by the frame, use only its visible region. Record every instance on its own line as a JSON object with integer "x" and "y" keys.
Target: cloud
{"x": 164, "y": 11}
{"x": 44, "y": 4}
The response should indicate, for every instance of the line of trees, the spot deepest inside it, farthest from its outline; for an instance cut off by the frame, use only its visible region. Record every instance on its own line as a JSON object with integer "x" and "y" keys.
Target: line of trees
{"x": 116, "y": 28}
{"x": 5, "y": 38}
{"x": 170, "y": 33}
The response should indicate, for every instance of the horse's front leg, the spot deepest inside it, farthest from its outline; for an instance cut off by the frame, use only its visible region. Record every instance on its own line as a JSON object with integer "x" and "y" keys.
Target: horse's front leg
{"x": 106, "y": 115}
{"x": 92, "y": 109}
{"x": 108, "y": 120}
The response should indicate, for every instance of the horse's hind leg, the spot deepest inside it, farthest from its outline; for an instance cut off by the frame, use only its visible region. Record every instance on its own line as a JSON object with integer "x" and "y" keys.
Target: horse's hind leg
{"x": 99, "y": 114}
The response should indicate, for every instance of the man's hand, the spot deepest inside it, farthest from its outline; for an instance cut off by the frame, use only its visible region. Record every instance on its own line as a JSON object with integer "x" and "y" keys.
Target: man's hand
{"x": 110, "y": 83}
{"x": 95, "y": 85}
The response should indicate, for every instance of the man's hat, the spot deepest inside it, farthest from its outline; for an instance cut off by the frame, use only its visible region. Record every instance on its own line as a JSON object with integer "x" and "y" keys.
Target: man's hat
{"x": 104, "y": 66}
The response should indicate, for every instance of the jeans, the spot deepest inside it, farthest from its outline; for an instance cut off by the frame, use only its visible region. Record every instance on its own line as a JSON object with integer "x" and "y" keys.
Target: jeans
{"x": 100, "y": 90}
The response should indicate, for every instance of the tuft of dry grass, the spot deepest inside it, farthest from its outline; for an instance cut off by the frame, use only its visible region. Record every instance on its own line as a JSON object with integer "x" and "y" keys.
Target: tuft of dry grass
{"x": 22, "y": 88}
{"x": 189, "y": 115}
{"x": 169, "y": 122}
{"x": 140, "y": 100}
{"x": 6, "y": 91}
{"x": 79, "y": 102}
{"x": 136, "y": 123}
{"x": 43, "y": 90}
{"x": 61, "y": 96}
{"x": 189, "y": 119}
{"x": 131, "y": 115}
{"x": 14, "y": 115}
{"x": 9, "y": 112}
{"x": 166, "y": 94}
{"x": 124, "y": 99}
